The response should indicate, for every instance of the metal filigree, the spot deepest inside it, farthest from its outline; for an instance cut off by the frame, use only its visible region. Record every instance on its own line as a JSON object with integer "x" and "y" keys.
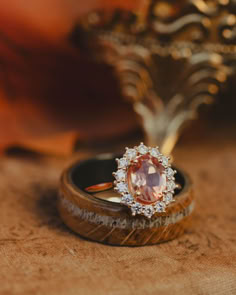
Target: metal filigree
{"x": 170, "y": 57}
{"x": 192, "y": 20}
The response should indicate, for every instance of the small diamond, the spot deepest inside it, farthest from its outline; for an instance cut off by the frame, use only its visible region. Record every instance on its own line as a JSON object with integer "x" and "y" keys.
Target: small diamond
{"x": 122, "y": 163}
{"x": 136, "y": 209}
{"x": 155, "y": 152}
{"x": 168, "y": 198}
{"x": 148, "y": 211}
{"x": 120, "y": 175}
{"x": 170, "y": 185}
{"x": 165, "y": 161}
{"x": 127, "y": 199}
{"x": 122, "y": 187}
{"x": 170, "y": 172}
{"x": 142, "y": 149}
{"x": 160, "y": 207}
{"x": 131, "y": 154}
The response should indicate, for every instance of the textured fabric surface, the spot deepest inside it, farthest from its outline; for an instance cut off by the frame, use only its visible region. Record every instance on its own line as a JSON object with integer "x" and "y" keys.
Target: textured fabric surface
{"x": 39, "y": 255}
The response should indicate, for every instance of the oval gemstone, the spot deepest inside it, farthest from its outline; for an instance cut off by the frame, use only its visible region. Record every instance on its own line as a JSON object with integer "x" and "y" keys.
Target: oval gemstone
{"x": 146, "y": 179}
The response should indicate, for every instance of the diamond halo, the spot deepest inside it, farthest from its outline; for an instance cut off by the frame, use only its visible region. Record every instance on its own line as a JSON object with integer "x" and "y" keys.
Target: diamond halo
{"x": 148, "y": 199}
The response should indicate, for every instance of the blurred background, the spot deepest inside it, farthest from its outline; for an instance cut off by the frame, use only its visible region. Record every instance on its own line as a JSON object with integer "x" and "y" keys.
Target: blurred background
{"x": 77, "y": 79}
{"x": 57, "y": 95}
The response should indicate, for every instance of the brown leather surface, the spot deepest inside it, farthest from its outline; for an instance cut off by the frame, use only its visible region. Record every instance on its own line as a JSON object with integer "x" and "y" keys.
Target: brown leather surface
{"x": 39, "y": 255}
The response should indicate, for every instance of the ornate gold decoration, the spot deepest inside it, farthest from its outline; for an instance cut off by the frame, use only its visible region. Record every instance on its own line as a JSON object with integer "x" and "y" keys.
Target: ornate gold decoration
{"x": 171, "y": 57}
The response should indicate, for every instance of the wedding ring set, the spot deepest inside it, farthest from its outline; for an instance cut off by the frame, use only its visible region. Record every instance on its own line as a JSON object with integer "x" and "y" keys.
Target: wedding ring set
{"x": 134, "y": 199}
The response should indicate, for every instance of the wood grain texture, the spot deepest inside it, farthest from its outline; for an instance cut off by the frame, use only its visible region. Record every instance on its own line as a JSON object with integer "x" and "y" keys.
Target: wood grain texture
{"x": 39, "y": 255}
{"x": 112, "y": 223}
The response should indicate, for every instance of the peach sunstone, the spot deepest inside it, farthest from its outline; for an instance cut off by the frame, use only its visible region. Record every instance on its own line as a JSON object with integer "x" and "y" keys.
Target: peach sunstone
{"x": 146, "y": 180}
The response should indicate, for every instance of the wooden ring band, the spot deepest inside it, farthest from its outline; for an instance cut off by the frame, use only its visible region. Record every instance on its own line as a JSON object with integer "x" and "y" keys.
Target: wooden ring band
{"x": 112, "y": 223}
